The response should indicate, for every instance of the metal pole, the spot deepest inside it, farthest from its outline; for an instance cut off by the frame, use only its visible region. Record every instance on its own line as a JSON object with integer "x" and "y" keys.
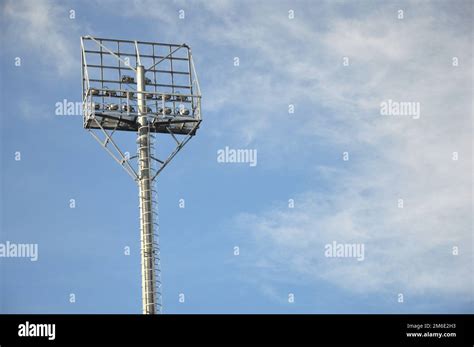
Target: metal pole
{"x": 146, "y": 203}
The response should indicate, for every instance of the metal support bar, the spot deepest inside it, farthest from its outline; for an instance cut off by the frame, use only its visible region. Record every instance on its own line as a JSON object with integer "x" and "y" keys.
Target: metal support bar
{"x": 168, "y": 56}
{"x": 109, "y": 139}
{"x": 120, "y": 161}
{"x": 177, "y": 149}
{"x": 133, "y": 55}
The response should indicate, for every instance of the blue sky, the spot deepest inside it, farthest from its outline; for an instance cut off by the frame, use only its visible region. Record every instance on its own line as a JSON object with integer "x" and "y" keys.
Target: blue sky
{"x": 283, "y": 61}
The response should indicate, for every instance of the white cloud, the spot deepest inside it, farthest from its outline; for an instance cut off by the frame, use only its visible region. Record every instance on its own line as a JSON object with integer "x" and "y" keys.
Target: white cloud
{"x": 43, "y": 29}
{"x": 410, "y": 249}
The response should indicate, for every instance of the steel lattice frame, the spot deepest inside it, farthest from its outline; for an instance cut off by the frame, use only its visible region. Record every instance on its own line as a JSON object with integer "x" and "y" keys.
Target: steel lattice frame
{"x": 118, "y": 96}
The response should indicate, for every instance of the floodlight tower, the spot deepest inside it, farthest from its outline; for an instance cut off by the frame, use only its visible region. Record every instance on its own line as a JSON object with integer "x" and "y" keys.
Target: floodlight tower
{"x": 146, "y": 106}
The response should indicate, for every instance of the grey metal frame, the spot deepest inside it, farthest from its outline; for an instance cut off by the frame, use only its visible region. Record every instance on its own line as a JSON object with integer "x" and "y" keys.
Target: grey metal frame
{"x": 103, "y": 118}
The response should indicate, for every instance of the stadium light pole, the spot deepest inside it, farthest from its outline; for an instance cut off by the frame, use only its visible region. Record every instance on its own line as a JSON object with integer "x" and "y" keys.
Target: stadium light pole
{"x": 145, "y": 196}
{"x": 103, "y": 117}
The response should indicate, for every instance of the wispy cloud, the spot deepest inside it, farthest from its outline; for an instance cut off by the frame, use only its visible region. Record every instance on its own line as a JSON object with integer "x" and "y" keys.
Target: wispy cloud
{"x": 409, "y": 249}
{"x": 43, "y": 29}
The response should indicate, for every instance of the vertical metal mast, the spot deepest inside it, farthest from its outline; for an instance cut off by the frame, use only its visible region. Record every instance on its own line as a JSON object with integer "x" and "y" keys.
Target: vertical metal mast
{"x": 146, "y": 199}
